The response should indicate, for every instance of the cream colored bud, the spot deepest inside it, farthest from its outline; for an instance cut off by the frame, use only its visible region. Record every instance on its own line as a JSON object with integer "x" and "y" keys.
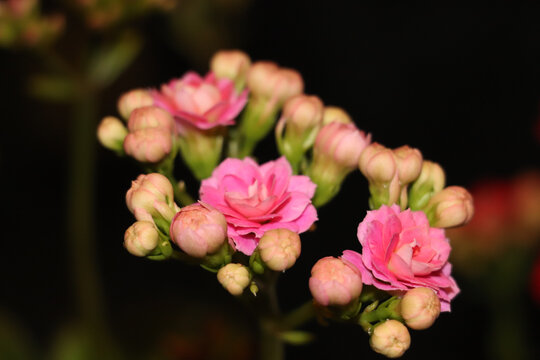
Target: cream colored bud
{"x": 336, "y": 114}
{"x": 420, "y": 307}
{"x": 409, "y": 163}
{"x": 111, "y": 133}
{"x": 132, "y": 100}
{"x": 231, "y": 64}
{"x": 234, "y": 278}
{"x": 141, "y": 238}
{"x": 453, "y": 206}
{"x": 391, "y": 339}
{"x": 279, "y": 249}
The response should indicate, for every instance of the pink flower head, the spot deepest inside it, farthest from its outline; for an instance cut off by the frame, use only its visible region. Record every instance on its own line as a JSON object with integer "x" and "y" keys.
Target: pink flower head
{"x": 203, "y": 103}
{"x": 400, "y": 251}
{"x": 255, "y": 199}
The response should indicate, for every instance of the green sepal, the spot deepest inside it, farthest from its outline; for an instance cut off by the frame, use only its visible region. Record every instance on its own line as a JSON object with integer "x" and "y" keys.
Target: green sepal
{"x": 219, "y": 259}
{"x": 256, "y": 264}
{"x": 207, "y": 268}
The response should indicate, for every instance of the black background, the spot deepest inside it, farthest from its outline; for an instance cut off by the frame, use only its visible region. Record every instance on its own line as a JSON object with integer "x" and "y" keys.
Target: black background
{"x": 461, "y": 83}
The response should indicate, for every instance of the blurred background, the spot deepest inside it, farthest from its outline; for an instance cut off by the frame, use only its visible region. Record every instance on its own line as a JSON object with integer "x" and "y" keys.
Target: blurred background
{"x": 461, "y": 83}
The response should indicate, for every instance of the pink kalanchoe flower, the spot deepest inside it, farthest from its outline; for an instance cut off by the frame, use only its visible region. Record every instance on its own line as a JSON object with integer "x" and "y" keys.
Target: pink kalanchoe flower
{"x": 400, "y": 251}
{"x": 203, "y": 103}
{"x": 255, "y": 199}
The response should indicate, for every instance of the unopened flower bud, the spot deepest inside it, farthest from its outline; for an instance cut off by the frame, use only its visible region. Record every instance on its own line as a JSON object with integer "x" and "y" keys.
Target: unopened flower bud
{"x": 391, "y": 339}
{"x": 259, "y": 76}
{"x": 199, "y": 230}
{"x": 266, "y": 79}
{"x": 270, "y": 87}
{"x": 111, "y": 133}
{"x": 336, "y": 153}
{"x": 336, "y": 114}
{"x": 334, "y": 283}
{"x": 234, "y": 278}
{"x": 409, "y": 163}
{"x": 378, "y": 163}
{"x": 141, "y": 238}
{"x": 279, "y": 249}
{"x": 379, "y": 166}
{"x": 151, "y": 195}
{"x": 452, "y": 206}
{"x": 150, "y": 145}
{"x": 298, "y": 126}
{"x": 420, "y": 307}
{"x": 231, "y": 64}
{"x": 132, "y": 100}
{"x": 147, "y": 117}
{"x": 430, "y": 182}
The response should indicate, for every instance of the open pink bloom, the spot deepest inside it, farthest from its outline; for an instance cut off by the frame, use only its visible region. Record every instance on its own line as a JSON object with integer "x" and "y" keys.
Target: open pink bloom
{"x": 201, "y": 102}
{"x": 255, "y": 199}
{"x": 401, "y": 252}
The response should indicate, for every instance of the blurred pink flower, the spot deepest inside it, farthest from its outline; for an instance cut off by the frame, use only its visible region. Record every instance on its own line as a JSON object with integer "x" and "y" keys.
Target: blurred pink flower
{"x": 200, "y": 102}
{"x": 255, "y": 199}
{"x": 400, "y": 251}
{"x": 535, "y": 281}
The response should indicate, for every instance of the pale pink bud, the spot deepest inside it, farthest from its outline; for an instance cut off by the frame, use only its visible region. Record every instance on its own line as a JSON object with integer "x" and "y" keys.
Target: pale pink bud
{"x": 279, "y": 249}
{"x": 453, "y": 206}
{"x": 147, "y": 117}
{"x": 336, "y": 114}
{"x": 341, "y": 143}
{"x": 409, "y": 163}
{"x": 378, "y": 163}
{"x": 391, "y": 339}
{"x": 267, "y": 80}
{"x": 234, "y": 278}
{"x": 141, "y": 238}
{"x": 148, "y": 145}
{"x": 148, "y": 192}
{"x": 334, "y": 283}
{"x": 132, "y": 100}
{"x": 420, "y": 307}
{"x": 259, "y": 76}
{"x": 199, "y": 230}
{"x": 231, "y": 64}
{"x": 111, "y": 133}
{"x": 286, "y": 84}
{"x": 302, "y": 113}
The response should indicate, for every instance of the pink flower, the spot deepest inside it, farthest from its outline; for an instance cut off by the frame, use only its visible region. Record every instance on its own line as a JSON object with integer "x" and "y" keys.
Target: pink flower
{"x": 401, "y": 252}
{"x": 255, "y": 199}
{"x": 201, "y": 102}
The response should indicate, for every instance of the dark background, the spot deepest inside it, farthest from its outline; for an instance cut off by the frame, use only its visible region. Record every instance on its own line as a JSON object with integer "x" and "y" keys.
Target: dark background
{"x": 462, "y": 84}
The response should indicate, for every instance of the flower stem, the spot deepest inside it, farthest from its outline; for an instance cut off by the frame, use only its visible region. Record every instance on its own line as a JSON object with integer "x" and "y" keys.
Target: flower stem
{"x": 80, "y": 223}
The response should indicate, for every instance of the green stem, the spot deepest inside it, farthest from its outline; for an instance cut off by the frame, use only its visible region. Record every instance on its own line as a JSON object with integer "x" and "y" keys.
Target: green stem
{"x": 268, "y": 312}
{"x": 80, "y": 222}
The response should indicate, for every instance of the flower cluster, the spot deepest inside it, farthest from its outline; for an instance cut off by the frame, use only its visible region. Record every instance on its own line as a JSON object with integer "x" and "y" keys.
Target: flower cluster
{"x": 21, "y": 24}
{"x": 247, "y": 223}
